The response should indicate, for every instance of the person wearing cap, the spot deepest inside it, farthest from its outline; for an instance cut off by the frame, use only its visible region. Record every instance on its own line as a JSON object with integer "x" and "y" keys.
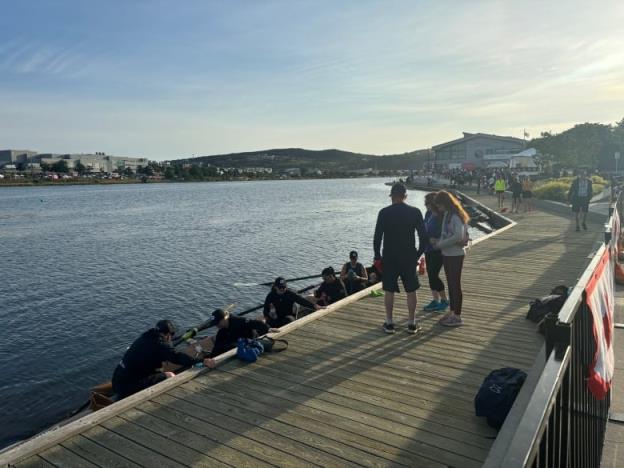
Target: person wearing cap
{"x": 278, "y": 305}
{"x": 354, "y": 274}
{"x": 230, "y": 329}
{"x": 331, "y": 289}
{"x": 396, "y": 227}
{"x": 140, "y": 365}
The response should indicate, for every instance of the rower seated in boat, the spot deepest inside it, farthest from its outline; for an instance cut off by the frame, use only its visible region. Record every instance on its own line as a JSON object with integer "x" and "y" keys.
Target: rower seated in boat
{"x": 140, "y": 366}
{"x": 278, "y": 305}
{"x": 354, "y": 274}
{"x": 231, "y": 328}
{"x": 332, "y": 289}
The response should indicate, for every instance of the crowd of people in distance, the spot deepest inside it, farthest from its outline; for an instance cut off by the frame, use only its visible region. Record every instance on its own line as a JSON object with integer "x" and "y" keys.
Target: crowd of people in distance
{"x": 442, "y": 235}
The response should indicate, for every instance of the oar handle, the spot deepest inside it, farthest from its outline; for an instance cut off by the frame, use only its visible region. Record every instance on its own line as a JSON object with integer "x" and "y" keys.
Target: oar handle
{"x": 270, "y": 283}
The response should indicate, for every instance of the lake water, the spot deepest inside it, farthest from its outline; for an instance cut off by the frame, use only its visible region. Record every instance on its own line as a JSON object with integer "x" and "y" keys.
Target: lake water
{"x": 86, "y": 269}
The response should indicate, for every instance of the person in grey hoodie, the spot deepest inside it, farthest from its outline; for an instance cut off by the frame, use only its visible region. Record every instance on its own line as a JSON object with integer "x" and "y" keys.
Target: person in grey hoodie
{"x": 453, "y": 239}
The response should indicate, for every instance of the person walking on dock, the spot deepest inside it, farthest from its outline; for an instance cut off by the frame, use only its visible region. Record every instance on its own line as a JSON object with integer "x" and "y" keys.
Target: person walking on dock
{"x": 499, "y": 187}
{"x": 396, "y": 227}
{"x": 527, "y": 194}
{"x": 451, "y": 243}
{"x": 579, "y": 196}
{"x": 140, "y": 365}
{"x": 516, "y": 194}
{"x": 433, "y": 257}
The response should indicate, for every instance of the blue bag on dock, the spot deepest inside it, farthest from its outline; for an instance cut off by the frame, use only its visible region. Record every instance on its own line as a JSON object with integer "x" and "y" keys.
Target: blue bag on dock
{"x": 248, "y": 350}
{"x": 497, "y": 394}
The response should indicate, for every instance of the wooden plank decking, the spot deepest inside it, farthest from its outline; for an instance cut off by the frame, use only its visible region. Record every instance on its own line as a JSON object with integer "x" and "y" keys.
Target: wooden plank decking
{"x": 347, "y": 394}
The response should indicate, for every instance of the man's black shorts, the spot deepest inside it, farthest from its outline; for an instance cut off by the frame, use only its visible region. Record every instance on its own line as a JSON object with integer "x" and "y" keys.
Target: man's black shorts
{"x": 581, "y": 205}
{"x": 392, "y": 270}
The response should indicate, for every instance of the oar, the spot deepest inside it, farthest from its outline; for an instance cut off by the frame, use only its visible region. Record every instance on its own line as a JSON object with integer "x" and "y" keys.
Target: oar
{"x": 253, "y": 309}
{"x": 270, "y": 283}
{"x": 192, "y": 332}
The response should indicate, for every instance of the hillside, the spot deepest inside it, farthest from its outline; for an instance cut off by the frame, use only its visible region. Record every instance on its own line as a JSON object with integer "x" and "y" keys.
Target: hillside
{"x": 326, "y": 160}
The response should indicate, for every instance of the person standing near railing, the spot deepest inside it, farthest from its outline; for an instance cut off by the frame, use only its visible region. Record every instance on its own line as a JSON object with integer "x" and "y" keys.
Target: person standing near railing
{"x": 453, "y": 239}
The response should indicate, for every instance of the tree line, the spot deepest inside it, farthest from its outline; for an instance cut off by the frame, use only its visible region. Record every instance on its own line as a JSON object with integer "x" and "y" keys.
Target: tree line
{"x": 588, "y": 145}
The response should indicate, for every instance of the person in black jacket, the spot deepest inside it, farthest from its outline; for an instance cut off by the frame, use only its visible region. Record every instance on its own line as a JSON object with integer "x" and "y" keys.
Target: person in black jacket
{"x": 278, "y": 305}
{"x": 331, "y": 289}
{"x": 396, "y": 227}
{"x": 140, "y": 365}
{"x": 231, "y": 328}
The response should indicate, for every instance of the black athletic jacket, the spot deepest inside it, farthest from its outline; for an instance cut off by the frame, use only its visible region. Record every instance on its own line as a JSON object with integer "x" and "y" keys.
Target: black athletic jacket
{"x": 334, "y": 291}
{"x": 147, "y": 354}
{"x": 283, "y": 303}
{"x": 240, "y": 327}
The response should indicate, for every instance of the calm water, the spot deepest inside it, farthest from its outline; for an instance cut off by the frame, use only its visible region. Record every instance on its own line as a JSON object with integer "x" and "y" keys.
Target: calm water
{"x": 86, "y": 269}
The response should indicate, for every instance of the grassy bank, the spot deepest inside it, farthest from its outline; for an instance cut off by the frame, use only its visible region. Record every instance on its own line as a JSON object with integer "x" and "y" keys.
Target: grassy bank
{"x": 557, "y": 189}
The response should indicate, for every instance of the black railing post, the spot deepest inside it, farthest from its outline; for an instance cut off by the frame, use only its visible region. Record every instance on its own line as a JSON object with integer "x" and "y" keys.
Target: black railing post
{"x": 557, "y": 335}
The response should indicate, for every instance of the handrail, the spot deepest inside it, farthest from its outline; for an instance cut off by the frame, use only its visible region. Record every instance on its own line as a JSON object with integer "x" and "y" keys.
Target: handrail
{"x": 525, "y": 443}
{"x": 563, "y": 423}
{"x": 568, "y": 311}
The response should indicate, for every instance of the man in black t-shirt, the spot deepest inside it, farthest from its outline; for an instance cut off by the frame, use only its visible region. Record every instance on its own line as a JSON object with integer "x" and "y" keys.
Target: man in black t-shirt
{"x": 396, "y": 227}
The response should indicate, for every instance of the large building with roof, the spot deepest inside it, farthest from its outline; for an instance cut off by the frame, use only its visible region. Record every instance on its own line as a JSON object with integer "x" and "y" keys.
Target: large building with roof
{"x": 97, "y": 162}
{"x": 469, "y": 151}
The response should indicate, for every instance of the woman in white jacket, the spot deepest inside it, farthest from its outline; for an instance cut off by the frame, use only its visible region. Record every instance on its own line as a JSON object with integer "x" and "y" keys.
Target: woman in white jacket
{"x": 452, "y": 241}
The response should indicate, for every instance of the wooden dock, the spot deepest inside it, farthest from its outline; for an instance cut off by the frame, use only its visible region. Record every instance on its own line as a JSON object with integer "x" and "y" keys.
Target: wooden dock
{"x": 345, "y": 393}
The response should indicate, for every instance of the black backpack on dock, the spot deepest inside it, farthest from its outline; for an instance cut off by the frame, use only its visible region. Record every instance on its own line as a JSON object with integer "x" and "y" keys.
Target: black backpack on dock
{"x": 539, "y": 308}
{"x": 497, "y": 394}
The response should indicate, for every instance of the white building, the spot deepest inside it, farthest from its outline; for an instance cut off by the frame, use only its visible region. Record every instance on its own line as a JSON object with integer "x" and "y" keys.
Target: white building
{"x": 522, "y": 162}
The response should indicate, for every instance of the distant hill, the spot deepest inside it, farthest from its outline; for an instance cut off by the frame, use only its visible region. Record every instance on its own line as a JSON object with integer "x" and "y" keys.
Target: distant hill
{"x": 325, "y": 160}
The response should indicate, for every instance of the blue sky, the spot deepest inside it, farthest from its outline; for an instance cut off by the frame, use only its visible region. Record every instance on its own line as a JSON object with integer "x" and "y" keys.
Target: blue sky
{"x": 165, "y": 79}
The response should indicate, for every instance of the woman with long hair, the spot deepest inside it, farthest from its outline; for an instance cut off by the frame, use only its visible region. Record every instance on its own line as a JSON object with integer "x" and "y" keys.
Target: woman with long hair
{"x": 433, "y": 257}
{"x": 453, "y": 239}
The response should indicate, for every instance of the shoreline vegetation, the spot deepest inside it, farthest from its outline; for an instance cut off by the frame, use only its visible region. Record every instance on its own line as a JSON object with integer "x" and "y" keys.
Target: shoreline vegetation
{"x": 80, "y": 181}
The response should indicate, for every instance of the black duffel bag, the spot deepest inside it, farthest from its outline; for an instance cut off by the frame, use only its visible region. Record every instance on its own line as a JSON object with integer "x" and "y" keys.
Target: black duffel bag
{"x": 497, "y": 394}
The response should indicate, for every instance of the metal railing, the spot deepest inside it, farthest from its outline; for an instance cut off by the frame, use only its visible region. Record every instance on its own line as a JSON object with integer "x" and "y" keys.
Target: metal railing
{"x": 563, "y": 424}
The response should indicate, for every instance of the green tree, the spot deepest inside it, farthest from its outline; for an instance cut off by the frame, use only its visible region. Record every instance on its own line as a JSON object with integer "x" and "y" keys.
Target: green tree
{"x": 169, "y": 173}
{"x": 209, "y": 171}
{"x": 128, "y": 172}
{"x": 195, "y": 172}
{"x": 60, "y": 166}
{"x": 80, "y": 168}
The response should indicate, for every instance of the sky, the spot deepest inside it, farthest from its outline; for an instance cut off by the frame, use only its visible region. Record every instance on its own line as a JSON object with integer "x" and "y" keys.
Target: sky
{"x": 165, "y": 79}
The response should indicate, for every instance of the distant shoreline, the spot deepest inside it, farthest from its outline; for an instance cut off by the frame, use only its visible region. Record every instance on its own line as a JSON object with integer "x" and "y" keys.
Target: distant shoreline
{"x": 50, "y": 183}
